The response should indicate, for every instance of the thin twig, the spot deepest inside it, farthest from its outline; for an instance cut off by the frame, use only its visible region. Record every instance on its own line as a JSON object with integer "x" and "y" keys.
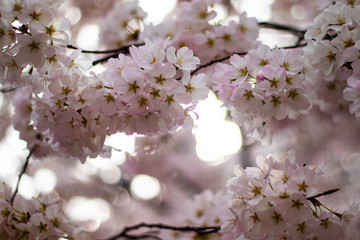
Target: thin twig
{"x": 142, "y": 236}
{"x": 294, "y": 46}
{"x": 4, "y": 90}
{"x": 216, "y": 61}
{"x": 281, "y": 27}
{"x": 198, "y": 230}
{"x": 323, "y": 194}
{"x": 123, "y": 49}
{"x": 241, "y": 53}
{"x": 114, "y": 55}
{"x": 115, "y": 52}
{"x": 21, "y": 174}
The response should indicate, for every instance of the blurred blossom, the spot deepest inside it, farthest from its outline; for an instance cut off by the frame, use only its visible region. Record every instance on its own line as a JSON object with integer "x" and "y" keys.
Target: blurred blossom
{"x": 134, "y": 137}
{"x": 73, "y": 14}
{"x": 90, "y": 213}
{"x": 156, "y": 15}
{"x": 254, "y": 8}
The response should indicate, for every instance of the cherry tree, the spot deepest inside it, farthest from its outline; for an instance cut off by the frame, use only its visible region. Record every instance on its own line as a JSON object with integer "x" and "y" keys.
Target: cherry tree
{"x": 115, "y": 129}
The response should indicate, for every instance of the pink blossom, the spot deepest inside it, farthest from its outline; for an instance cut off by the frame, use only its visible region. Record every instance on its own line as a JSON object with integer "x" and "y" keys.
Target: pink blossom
{"x": 183, "y": 58}
{"x": 192, "y": 89}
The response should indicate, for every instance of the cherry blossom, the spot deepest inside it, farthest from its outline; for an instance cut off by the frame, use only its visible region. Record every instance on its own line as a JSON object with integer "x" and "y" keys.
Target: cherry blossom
{"x": 71, "y": 107}
{"x": 265, "y": 199}
{"x": 46, "y": 220}
{"x": 183, "y": 58}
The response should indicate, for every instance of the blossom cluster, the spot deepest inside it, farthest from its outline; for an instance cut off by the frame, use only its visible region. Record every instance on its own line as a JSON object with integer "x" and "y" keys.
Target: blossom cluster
{"x": 60, "y": 109}
{"x": 208, "y": 38}
{"x": 206, "y": 209}
{"x": 263, "y": 85}
{"x": 198, "y": 30}
{"x": 278, "y": 199}
{"x": 121, "y": 26}
{"x": 136, "y": 94}
{"x": 332, "y": 55}
{"x": 42, "y": 219}
{"x": 33, "y": 57}
{"x": 33, "y": 43}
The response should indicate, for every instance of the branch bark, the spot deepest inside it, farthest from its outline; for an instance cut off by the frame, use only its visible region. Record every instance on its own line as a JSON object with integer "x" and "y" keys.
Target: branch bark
{"x": 21, "y": 174}
{"x": 241, "y": 54}
{"x": 198, "y": 230}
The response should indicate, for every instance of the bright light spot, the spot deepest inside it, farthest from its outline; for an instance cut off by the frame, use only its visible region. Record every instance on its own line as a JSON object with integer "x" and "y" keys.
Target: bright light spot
{"x": 88, "y": 37}
{"x": 16, "y": 24}
{"x": 2, "y": 100}
{"x": 11, "y": 151}
{"x": 45, "y": 180}
{"x": 83, "y": 209}
{"x": 157, "y": 10}
{"x": 27, "y": 187}
{"x": 216, "y": 138}
{"x": 273, "y": 38}
{"x": 298, "y": 12}
{"x": 221, "y": 12}
{"x": 260, "y": 9}
{"x": 210, "y": 109}
{"x": 73, "y": 14}
{"x": 124, "y": 143}
{"x": 98, "y": 68}
{"x": 145, "y": 187}
{"x": 111, "y": 175}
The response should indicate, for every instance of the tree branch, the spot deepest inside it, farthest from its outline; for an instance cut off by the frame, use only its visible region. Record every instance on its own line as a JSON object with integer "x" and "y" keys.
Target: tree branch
{"x": 240, "y": 53}
{"x": 142, "y": 236}
{"x": 198, "y": 230}
{"x": 123, "y": 49}
{"x": 323, "y": 194}
{"x": 21, "y": 174}
{"x": 4, "y": 90}
{"x": 115, "y": 52}
{"x": 216, "y": 61}
{"x": 281, "y": 27}
{"x": 114, "y": 55}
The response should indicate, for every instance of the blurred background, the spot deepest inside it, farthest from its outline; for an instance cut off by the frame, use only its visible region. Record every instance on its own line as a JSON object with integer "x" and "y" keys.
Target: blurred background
{"x": 147, "y": 177}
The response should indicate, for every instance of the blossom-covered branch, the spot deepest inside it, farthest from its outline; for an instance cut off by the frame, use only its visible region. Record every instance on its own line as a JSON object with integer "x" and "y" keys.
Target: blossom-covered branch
{"x": 198, "y": 230}
{"x": 208, "y": 64}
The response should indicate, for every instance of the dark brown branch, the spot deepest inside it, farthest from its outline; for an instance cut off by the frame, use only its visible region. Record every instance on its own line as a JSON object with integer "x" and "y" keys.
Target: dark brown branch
{"x": 142, "y": 236}
{"x": 4, "y": 90}
{"x": 24, "y": 29}
{"x": 198, "y": 230}
{"x": 216, "y": 61}
{"x": 115, "y": 52}
{"x": 348, "y": 65}
{"x": 21, "y": 174}
{"x": 323, "y": 194}
{"x": 241, "y": 53}
{"x": 114, "y": 55}
{"x": 123, "y": 49}
{"x": 281, "y": 27}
